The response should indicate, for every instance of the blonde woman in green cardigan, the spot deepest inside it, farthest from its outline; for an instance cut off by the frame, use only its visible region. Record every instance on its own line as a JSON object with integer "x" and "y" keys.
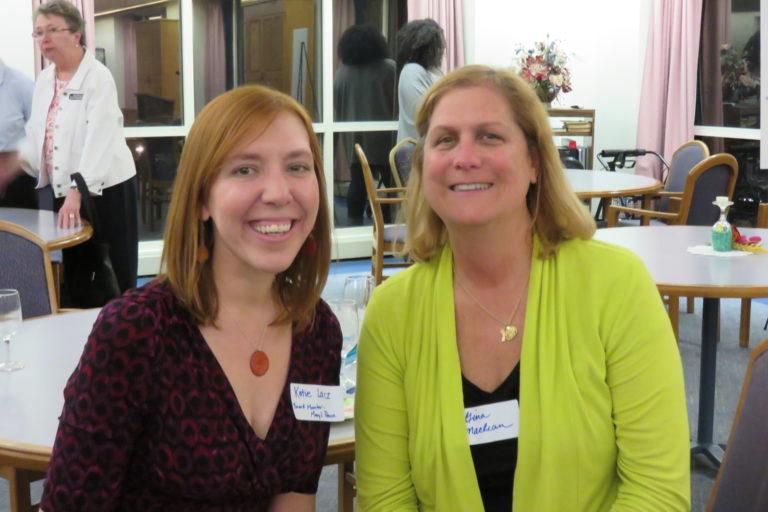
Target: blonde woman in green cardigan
{"x": 519, "y": 365}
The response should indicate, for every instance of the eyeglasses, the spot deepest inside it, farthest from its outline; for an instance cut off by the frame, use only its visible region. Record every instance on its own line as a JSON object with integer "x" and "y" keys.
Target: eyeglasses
{"x": 49, "y": 32}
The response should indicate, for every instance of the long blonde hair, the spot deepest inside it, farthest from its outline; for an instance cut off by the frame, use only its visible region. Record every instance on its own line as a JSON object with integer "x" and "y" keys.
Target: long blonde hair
{"x": 557, "y": 214}
{"x": 220, "y": 128}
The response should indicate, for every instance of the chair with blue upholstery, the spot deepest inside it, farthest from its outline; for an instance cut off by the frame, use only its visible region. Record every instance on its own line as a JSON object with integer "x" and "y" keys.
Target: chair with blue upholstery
{"x": 25, "y": 265}
{"x": 742, "y": 480}
{"x": 684, "y": 159}
{"x": 714, "y": 176}
{"x": 400, "y": 158}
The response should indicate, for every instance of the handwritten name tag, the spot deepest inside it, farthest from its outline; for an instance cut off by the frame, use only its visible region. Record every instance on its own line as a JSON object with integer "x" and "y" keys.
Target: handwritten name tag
{"x": 313, "y": 402}
{"x": 75, "y": 96}
{"x": 492, "y": 422}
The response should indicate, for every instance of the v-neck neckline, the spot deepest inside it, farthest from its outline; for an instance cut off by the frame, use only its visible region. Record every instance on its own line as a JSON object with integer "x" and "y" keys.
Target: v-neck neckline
{"x": 231, "y": 396}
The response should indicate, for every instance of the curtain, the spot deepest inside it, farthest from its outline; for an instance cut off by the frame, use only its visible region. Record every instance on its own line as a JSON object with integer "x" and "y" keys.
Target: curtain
{"x": 447, "y": 14}
{"x": 130, "y": 69}
{"x": 87, "y": 10}
{"x": 668, "y": 94}
{"x": 343, "y": 18}
{"x": 715, "y": 31}
{"x": 215, "y": 52}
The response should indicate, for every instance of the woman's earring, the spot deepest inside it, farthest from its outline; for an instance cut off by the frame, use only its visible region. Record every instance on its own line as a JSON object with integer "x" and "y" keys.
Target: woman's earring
{"x": 202, "y": 253}
{"x": 202, "y": 248}
{"x": 310, "y": 245}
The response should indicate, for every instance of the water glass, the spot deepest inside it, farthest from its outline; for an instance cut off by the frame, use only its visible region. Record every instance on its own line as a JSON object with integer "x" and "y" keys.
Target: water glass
{"x": 10, "y": 320}
{"x": 346, "y": 313}
{"x": 359, "y": 288}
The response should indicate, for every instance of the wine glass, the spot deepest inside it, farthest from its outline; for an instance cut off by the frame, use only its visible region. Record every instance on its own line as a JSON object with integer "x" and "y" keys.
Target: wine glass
{"x": 359, "y": 288}
{"x": 10, "y": 320}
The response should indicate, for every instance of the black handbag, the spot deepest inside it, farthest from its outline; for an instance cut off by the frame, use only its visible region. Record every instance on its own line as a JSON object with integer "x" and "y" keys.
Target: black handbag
{"x": 89, "y": 279}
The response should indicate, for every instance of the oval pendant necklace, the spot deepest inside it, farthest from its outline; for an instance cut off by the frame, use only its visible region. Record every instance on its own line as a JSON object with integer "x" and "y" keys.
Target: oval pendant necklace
{"x": 508, "y": 331}
{"x": 259, "y": 360}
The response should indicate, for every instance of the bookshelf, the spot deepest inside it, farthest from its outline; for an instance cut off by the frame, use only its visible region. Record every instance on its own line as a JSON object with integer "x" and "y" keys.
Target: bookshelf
{"x": 577, "y": 124}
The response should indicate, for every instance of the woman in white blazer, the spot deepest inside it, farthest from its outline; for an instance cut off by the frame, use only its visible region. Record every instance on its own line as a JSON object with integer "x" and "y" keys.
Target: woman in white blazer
{"x": 76, "y": 126}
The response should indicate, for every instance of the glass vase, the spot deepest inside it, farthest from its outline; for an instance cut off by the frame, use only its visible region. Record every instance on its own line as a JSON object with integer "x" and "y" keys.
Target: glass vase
{"x": 722, "y": 234}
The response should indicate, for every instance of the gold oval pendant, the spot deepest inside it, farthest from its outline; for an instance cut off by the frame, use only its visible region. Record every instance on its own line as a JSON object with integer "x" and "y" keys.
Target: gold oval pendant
{"x": 508, "y": 333}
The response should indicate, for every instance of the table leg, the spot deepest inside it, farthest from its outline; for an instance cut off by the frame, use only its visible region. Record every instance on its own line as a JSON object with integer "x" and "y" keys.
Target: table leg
{"x": 709, "y": 333}
{"x": 346, "y": 486}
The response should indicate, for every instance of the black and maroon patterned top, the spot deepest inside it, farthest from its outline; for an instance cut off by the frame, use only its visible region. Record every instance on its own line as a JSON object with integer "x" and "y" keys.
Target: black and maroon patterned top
{"x": 150, "y": 422}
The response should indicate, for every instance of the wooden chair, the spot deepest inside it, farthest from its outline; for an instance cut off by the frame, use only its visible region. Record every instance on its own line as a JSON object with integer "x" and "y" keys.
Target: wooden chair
{"x": 25, "y": 265}
{"x": 714, "y": 176}
{"x": 746, "y": 304}
{"x": 684, "y": 159}
{"x": 400, "y": 160}
{"x": 20, "y": 471}
{"x": 154, "y": 186}
{"x": 742, "y": 480}
{"x": 387, "y": 239}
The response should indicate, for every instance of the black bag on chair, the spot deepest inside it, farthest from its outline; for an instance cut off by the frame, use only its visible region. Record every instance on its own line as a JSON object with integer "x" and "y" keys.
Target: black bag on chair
{"x": 89, "y": 279}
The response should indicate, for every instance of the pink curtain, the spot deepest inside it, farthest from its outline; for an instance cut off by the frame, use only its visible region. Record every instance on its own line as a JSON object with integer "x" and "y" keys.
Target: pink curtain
{"x": 88, "y": 11}
{"x": 215, "y": 52}
{"x": 130, "y": 70}
{"x": 668, "y": 94}
{"x": 447, "y": 14}
{"x": 343, "y": 18}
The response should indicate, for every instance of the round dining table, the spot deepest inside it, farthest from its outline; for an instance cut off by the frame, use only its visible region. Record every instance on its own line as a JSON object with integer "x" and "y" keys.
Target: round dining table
{"x": 31, "y": 401}
{"x": 679, "y": 272}
{"x": 43, "y": 223}
{"x": 602, "y": 184}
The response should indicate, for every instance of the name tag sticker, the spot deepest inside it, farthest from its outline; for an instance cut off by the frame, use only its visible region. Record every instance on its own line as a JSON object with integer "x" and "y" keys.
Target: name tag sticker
{"x": 492, "y": 422}
{"x": 313, "y": 402}
{"x": 76, "y": 96}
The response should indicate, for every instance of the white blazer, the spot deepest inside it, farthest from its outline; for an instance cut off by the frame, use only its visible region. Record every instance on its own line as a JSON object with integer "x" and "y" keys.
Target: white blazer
{"x": 88, "y": 134}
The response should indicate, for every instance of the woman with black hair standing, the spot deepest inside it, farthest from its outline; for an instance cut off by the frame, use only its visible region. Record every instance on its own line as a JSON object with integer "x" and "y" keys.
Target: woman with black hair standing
{"x": 364, "y": 90}
{"x": 421, "y": 46}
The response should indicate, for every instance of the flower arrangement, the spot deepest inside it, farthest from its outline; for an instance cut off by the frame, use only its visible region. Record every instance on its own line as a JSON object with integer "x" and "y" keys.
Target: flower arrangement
{"x": 544, "y": 67}
{"x": 737, "y": 79}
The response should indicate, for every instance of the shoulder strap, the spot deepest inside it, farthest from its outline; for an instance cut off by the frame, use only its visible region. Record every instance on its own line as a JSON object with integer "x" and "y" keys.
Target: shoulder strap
{"x": 87, "y": 209}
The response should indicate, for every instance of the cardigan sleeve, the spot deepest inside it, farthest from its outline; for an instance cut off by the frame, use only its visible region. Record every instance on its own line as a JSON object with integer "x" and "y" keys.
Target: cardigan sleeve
{"x": 381, "y": 423}
{"x": 645, "y": 378}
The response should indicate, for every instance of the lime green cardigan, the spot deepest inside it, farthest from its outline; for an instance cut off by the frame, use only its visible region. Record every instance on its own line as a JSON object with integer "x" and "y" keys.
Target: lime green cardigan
{"x": 603, "y": 422}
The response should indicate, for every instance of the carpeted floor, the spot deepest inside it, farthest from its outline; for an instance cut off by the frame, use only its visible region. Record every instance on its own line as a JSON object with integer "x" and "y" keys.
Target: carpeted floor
{"x": 731, "y": 365}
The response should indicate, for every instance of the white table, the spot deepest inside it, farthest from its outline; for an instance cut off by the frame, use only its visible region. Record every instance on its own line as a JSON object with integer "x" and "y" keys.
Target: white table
{"x": 31, "y": 400}
{"x": 43, "y": 224}
{"x": 677, "y": 272}
{"x": 591, "y": 184}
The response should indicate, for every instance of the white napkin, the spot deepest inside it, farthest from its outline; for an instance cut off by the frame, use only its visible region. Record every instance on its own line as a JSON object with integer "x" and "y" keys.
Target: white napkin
{"x": 707, "y": 250}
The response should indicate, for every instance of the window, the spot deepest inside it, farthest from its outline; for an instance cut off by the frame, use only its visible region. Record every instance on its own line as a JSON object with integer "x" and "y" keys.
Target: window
{"x": 729, "y": 71}
{"x": 140, "y": 43}
{"x": 157, "y": 159}
{"x": 728, "y": 99}
{"x": 169, "y": 58}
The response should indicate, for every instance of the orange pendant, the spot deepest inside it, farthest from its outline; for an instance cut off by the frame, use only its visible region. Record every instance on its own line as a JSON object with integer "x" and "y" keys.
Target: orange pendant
{"x": 259, "y": 363}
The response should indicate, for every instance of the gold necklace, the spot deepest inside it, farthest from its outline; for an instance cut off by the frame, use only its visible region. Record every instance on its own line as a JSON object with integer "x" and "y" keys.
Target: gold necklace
{"x": 259, "y": 360}
{"x": 508, "y": 331}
